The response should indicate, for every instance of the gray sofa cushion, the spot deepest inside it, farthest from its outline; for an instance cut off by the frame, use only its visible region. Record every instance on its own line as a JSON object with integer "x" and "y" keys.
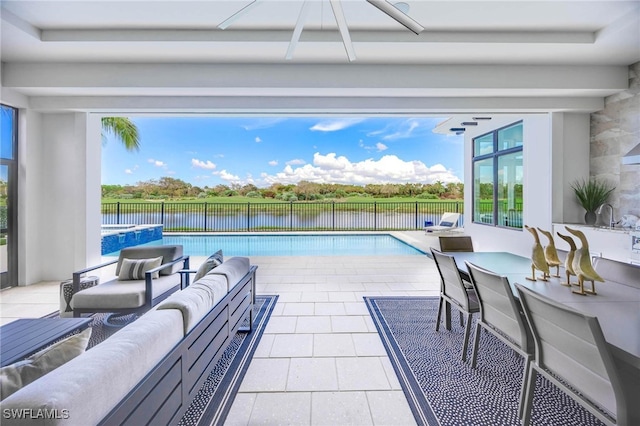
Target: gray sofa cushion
{"x": 233, "y": 269}
{"x": 92, "y": 384}
{"x": 123, "y": 294}
{"x": 197, "y": 300}
{"x": 168, "y": 254}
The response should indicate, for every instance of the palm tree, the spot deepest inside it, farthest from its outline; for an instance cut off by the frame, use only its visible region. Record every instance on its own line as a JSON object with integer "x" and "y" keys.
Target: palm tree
{"x": 123, "y": 129}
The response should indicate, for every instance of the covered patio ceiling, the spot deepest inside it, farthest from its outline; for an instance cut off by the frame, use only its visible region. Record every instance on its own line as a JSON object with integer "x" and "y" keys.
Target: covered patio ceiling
{"x": 496, "y": 56}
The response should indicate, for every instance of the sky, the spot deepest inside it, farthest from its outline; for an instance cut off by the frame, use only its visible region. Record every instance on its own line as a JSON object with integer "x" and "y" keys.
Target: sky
{"x": 208, "y": 151}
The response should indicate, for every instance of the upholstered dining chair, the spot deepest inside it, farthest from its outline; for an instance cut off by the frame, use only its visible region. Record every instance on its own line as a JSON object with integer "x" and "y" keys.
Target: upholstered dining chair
{"x": 501, "y": 315}
{"x": 454, "y": 292}
{"x": 620, "y": 272}
{"x": 571, "y": 352}
{"x": 462, "y": 243}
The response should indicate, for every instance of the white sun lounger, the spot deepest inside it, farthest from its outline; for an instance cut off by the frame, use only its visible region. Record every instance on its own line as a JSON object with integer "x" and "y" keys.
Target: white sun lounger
{"x": 448, "y": 222}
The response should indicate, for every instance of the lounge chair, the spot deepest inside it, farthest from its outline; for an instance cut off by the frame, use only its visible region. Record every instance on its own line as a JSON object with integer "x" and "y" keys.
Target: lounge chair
{"x": 448, "y": 222}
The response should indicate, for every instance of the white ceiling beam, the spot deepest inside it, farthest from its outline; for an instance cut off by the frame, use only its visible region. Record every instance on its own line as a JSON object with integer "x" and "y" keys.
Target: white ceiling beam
{"x": 266, "y": 36}
{"x": 313, "y": 105}
{"x": 560, "y": 78}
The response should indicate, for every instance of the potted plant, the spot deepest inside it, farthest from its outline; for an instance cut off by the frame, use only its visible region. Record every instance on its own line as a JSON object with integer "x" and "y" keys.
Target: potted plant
{"x": 591, "y": 194}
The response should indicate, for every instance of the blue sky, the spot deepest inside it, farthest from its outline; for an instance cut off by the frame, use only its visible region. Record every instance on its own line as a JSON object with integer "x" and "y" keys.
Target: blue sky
{"x": 207, "y": 151}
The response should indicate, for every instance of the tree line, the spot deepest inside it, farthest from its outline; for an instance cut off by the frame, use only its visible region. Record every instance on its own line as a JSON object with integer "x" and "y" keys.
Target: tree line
{"x": 172, "y": 188}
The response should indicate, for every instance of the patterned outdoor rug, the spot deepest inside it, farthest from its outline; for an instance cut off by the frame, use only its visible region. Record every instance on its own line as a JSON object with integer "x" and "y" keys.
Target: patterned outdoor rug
{"x": 442, "y": 390}
{"x": 212, "y": 404}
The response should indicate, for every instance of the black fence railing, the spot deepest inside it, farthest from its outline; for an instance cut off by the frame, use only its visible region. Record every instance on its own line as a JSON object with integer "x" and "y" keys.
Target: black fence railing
{"x": 236, "y": 217}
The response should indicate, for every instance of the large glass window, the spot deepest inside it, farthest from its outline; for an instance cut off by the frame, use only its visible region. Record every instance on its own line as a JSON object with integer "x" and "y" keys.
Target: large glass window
{"x": 8, "y": 192}
{"x": 498, "y": 177}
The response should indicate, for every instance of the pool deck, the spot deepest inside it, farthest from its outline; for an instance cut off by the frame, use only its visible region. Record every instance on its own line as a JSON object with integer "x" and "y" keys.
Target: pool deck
{"x": 320, "y": 360}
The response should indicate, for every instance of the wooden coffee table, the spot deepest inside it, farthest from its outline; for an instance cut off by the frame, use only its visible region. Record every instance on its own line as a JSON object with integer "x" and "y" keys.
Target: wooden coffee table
{"x": 24, "y": 337}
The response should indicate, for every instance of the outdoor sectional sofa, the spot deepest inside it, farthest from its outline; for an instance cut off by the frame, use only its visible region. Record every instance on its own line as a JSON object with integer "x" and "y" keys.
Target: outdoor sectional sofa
{"x": 149, "y": 371}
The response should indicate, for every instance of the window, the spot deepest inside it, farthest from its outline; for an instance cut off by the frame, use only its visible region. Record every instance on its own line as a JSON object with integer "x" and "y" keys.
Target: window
{"x": 497, "y": 177}
{"x": 8, "y": 191}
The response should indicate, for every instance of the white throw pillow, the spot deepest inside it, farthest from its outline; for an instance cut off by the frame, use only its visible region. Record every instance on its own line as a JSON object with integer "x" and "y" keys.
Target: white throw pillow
{"x": 15, "y": 376}
{"x": 134, "y": 269}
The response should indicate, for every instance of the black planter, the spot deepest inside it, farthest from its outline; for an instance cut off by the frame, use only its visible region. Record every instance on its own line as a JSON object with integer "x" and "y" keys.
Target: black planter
{"x": 590, "y": 218}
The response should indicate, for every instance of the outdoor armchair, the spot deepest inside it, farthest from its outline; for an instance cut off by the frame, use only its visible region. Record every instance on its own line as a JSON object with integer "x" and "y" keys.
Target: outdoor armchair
{"x": 144, "y": 277}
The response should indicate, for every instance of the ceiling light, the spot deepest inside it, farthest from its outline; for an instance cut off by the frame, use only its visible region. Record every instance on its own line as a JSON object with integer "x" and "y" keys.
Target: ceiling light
{"x": 469, "y": 123}
{"x": 481, "y": 118}
{"x": 457, "y": 129}
{"x": 396, "y": 14}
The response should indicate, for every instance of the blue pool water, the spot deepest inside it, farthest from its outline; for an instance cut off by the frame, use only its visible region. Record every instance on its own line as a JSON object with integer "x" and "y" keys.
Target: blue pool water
{"x": 290, "y": 245}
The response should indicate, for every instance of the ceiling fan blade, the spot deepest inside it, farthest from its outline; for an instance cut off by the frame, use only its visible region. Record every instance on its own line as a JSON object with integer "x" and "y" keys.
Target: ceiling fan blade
{"x": 338, "y": 13}
{"x": 397, "y": 15}
{"x": 302, "y": 18}
{"x": 239, "y": 14}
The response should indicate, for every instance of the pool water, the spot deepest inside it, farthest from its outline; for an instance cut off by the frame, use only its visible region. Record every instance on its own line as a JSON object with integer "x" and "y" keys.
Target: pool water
{"x": 290, "y": 245}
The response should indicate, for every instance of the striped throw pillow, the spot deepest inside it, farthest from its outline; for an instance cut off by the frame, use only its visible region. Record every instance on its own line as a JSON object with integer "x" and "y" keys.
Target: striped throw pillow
{"x": 134, "y": 269}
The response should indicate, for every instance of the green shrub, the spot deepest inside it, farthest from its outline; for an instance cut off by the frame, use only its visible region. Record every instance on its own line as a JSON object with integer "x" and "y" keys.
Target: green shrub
{"x": 427, "y": 196}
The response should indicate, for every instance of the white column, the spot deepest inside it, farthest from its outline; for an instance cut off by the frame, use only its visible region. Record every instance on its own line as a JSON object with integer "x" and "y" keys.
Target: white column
{"x": 62, "y": 195}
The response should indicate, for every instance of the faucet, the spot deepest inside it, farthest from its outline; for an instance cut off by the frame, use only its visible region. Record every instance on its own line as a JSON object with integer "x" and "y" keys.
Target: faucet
{"x": 601, "y": 208}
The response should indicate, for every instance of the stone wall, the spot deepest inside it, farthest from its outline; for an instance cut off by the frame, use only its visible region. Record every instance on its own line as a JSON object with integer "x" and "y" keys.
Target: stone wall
{"x": 615, "y": 131}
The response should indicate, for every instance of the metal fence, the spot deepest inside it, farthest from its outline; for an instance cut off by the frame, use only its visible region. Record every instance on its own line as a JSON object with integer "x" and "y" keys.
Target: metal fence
{"x": 294, "y": 216}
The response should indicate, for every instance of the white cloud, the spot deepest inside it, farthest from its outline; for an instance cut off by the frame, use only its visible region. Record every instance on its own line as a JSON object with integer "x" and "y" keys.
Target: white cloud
{"x": 379, "y": 146}
{"x": 296, "y": 162}
{"x": 258, "y": 140}
{"x": 157, "y": 163}
{"x": 225, "y": 175}
{"x": 131, "y": 171}
{"x": 336, "y": 124}
{"x": 207, "y": 165}
{"x": 406, "y": 130}
{"x": 263, "y": 123}
{"x": 332, "y": 168}
{"x": 273, "y": 162}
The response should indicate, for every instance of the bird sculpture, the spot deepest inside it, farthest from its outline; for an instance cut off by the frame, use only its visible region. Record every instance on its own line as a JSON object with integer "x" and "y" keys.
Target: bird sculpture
{"x": 582, "y": 265}
{"x": 568, "y": 263}
{"x": 550, "y": 252}
{"x": 538, "y": 261}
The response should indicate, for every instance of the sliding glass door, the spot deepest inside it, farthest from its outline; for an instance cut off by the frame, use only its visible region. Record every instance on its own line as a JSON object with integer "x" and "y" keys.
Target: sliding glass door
{"x": 8, "y": 193}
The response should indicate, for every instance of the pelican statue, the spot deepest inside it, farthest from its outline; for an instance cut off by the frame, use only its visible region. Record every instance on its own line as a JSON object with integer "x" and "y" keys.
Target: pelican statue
{"x": 568, "y": 263}
{"x": 550, "y": 252}
{"x": 538, "y": 260}
{"x": 582, "y": 264}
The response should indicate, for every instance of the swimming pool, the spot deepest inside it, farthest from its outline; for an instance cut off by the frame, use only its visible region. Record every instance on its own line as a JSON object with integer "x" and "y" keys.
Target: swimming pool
{"x": 291, "y": 245}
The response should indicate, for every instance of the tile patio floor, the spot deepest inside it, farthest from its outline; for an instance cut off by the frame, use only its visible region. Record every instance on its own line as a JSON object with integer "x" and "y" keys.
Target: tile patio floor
{"x": 320, "y": 360}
